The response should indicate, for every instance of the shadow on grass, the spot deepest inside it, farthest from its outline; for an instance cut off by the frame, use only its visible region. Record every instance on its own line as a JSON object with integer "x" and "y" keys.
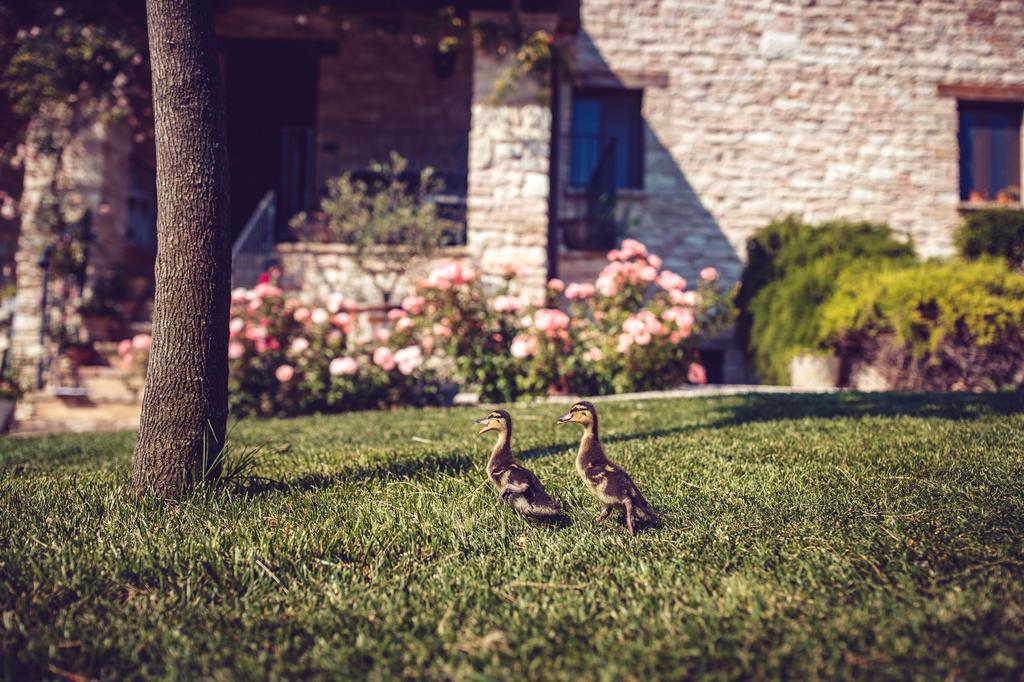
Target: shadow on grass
{"x": 732, "y": 411}
{"x": 761, "y": 408}
{"x": 776, "y": 407}
{"x": 451, "y": 465}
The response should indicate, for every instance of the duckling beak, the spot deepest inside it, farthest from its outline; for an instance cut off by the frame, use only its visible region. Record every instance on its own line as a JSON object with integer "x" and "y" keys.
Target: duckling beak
{"x": 565, "y": 418}
{"x": 485, "y": 422}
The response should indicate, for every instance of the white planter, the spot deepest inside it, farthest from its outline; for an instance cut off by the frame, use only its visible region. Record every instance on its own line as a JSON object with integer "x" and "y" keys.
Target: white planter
{"x": 811, "y": 370}
{"x": 865, "y": 377}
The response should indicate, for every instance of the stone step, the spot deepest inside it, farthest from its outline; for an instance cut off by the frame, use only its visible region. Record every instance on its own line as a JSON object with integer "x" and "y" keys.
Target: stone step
{"x": 50, "y": 414}
{"x": 42, "y": 427}
{"x": 109, "y": 383}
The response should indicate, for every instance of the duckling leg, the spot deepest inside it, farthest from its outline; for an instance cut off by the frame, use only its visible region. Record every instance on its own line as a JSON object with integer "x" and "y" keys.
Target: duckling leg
{"x": 510, "y": 491}
{"x": 628, "y": 504}
{"x": 603, "y": 515}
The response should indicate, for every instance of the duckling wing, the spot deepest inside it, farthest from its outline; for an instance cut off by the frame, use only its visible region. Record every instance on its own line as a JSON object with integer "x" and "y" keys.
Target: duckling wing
{"x": 524, "y": 492}
{"x": 618, "y": 485}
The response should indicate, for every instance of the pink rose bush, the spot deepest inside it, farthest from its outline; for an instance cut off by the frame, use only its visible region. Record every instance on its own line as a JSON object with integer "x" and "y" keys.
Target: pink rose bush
{"x": 636, "y": 327}
{"x": 289, "y": 357}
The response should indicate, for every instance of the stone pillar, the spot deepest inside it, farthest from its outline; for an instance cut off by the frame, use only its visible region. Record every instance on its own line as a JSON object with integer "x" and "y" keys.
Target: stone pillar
{"x": 32, "y": 240}
{"x": 95, "y": 179}
{"x": 509, "y": 173}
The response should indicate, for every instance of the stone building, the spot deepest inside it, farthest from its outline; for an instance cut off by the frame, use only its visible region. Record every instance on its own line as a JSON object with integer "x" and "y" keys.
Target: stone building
{"x": 690, "y": 124}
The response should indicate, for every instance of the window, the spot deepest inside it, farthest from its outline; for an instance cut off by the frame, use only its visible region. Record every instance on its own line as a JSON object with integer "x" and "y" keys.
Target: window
{"x": 607, "y": 122}
{"x": 989, "y": 139}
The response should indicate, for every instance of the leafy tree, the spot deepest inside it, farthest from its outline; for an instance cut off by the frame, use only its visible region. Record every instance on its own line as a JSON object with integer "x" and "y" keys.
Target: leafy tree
{"x": 63, "y": 71}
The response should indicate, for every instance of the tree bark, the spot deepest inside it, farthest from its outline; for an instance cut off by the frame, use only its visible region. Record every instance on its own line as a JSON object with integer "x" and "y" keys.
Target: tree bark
{"x": 184, "y": 408}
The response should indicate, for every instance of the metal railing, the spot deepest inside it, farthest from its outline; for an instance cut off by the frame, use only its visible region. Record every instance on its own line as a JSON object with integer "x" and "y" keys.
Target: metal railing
{"x": 599, "y": 229}
{"x": 254, "y": 248}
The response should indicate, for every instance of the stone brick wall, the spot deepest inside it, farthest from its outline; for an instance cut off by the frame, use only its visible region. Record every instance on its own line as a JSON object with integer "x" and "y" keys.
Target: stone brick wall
{"x": 378, "y": 90}
{"x": 316, "y": 270}
{"x": 756, "y": 109}
{"x": 509, "y": 172}
{"x": 95, "y": 173}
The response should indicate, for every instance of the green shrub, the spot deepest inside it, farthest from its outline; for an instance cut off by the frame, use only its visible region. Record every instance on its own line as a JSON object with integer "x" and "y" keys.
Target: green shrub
{"x": 993, "y": 232}
{"x": 934, "y": 325}
{"x": 791, "y": 271}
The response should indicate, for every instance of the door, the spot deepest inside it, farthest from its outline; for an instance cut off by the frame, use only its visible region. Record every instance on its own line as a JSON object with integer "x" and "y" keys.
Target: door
{"x": 270, "y": 87}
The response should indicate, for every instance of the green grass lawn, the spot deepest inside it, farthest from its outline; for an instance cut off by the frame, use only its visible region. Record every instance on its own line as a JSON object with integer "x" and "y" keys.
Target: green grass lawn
{"x": 807, "y": 536}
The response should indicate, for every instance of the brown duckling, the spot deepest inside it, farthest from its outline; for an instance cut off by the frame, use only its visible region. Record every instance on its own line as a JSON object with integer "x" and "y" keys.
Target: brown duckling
{"x": 606, "y": 481}
{"x": 517, "y": 486}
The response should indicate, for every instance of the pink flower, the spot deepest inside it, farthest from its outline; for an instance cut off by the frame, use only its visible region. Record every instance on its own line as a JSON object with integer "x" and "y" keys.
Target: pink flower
{"x": 302, "y": 315}
{"x": 550, "y": 320}
{"x": 142, "y": 341}
{"x": 284, "y": 373}
{"x": 319, "y": 316}
{"x": 624, "y": 342}
{"x": 709, "y": 274}
{"x": 396, "y": 314}
{"x": 633, "y": 325}
{"x": 124, "y": 348}
{"x": 342, "y": 321}
{"x": 510, "y": 269}
{"x": 631, "y": 248}
{"x": 670, "y": 281}
{"x": 383, "y": 358}
{"x": 523, "y": 346}
{"x": 450, "y": 273}
{"x": 614, "y": 254}
{"x": 578, "y": 292}
{"x": 607, "y": 285}
{"x": 697, "y": 374}
{"x": 299, "y": 344}
{"x": 256, "y": 332}
{"x": 409, "y": 359}
{"x": 404, "y": 325}
{"x": 266, "y": 290}
{"x": 681, "y": 316}
{"x": 647, "y": 274}
{"x": 413, "y": 304}
{"x": 343, "y": 367}
{"x": 236, "y": 326}
{"x": 556, "y": 285}
{"x": 594, "y": 354}
{"x": 442, "y": 330}
{"x": 654, "y": 261}
{"x": 334, "y": 336}
{"x": 643, "y": 338}
{"x": 506, "y": 304}
{"x": 383, "y": 335}
{"x": 235, "y": 350}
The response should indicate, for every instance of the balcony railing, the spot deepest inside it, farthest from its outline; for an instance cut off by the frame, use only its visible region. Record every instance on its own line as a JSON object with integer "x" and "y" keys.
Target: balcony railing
{"x": 355, "y": 151}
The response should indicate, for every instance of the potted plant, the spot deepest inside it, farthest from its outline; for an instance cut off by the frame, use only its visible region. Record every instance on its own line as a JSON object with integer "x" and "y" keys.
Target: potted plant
{"x": 1008, "y": 195}
{"x": 8, "y": 396}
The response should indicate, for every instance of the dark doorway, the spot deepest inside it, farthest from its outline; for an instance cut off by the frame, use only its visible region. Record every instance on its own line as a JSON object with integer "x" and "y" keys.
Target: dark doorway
{"x": 270, "y": 87}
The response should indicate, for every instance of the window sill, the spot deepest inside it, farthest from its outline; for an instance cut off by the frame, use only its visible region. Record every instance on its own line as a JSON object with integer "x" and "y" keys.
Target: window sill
{"x": 968, "y": 206}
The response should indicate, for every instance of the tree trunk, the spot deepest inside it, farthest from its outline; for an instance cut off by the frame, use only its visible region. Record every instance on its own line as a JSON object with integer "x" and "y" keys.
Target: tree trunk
{"x": 184, "y": 409}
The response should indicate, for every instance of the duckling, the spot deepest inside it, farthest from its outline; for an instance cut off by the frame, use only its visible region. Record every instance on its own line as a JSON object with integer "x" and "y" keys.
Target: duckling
{"x": 517, "y": 486}
{"x": 606, "y": 481}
